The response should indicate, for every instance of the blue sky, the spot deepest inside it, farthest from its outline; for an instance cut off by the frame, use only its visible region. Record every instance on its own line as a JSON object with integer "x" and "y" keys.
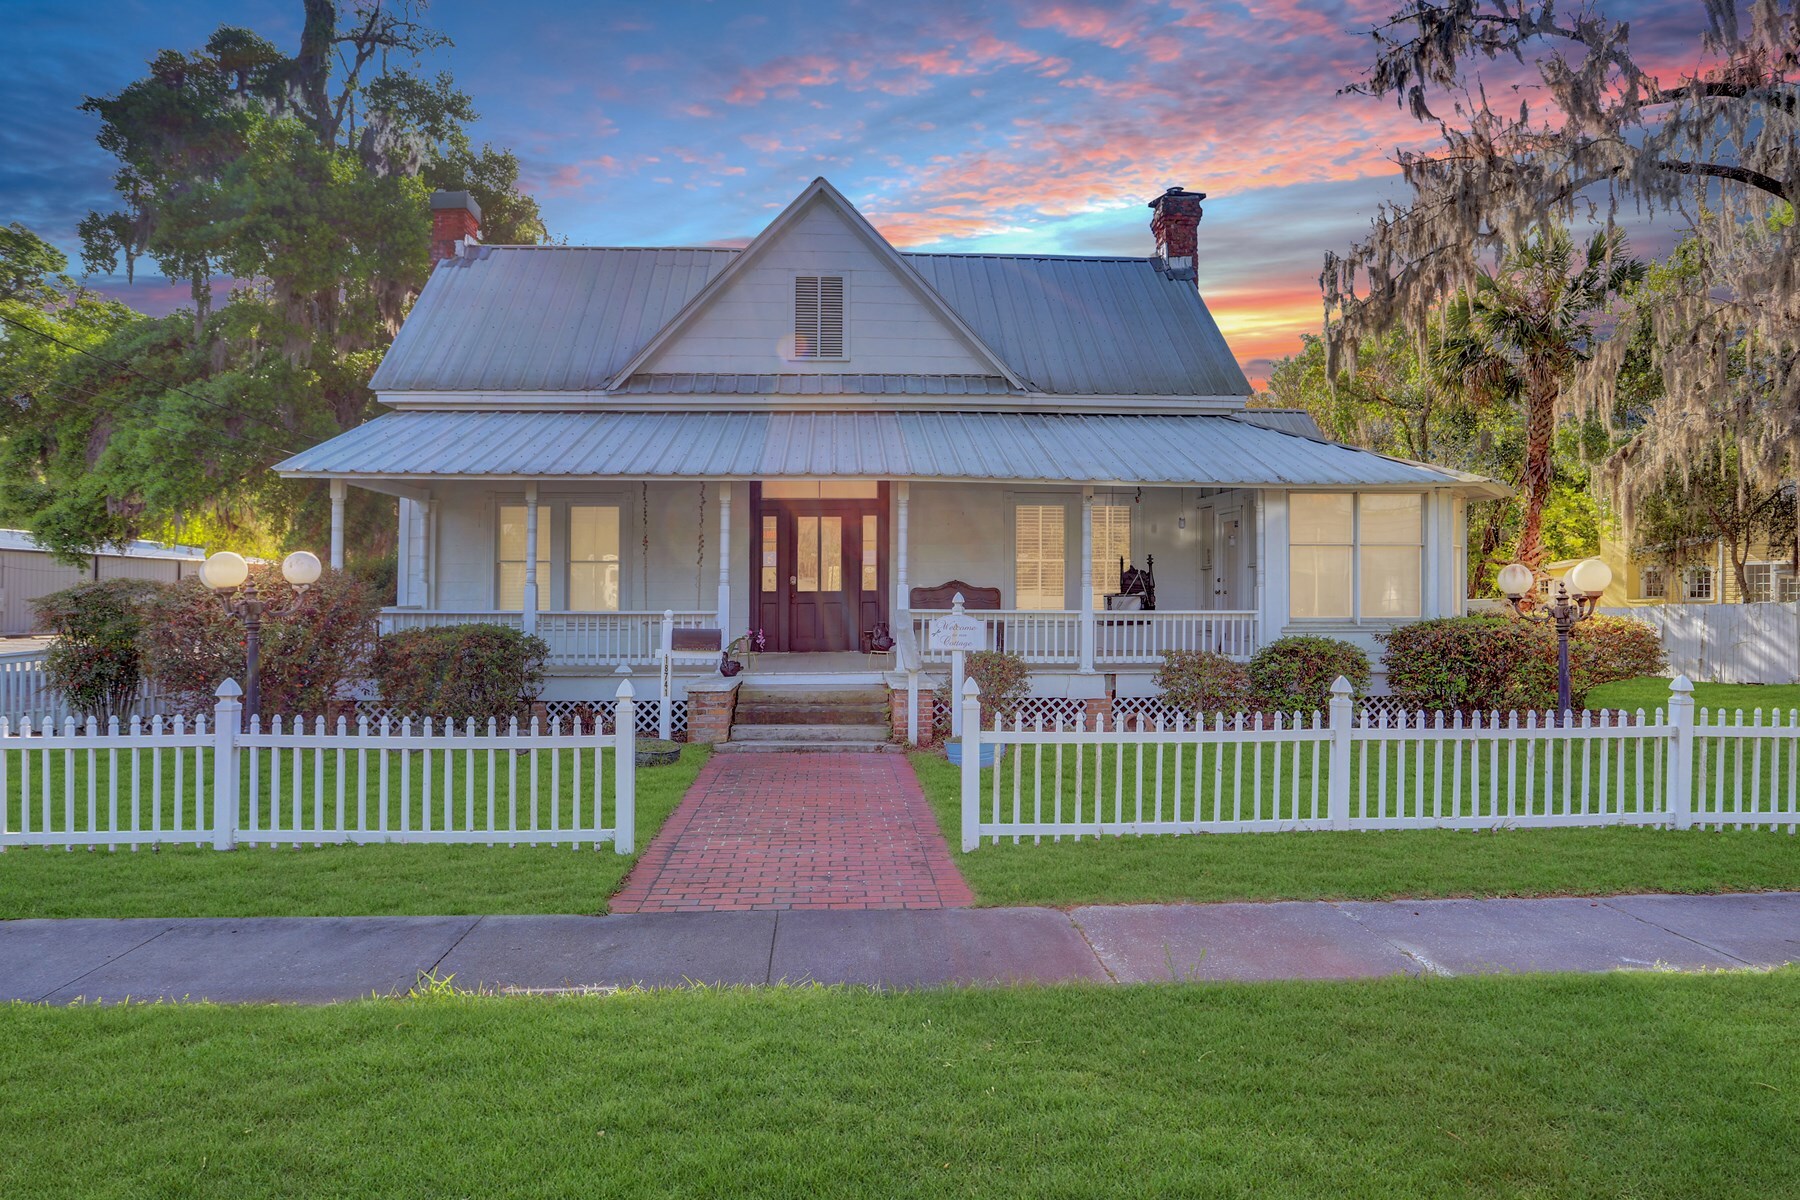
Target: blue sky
{"x": 1018, "y": 126}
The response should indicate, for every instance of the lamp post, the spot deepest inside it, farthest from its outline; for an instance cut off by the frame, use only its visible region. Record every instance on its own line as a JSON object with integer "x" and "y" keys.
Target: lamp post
{"x": 1572, "y": 601}
{"x": 226, "y": 573}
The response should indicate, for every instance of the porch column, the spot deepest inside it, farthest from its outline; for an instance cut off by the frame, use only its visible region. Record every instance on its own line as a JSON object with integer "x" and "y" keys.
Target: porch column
{"x": 529, "y": 620}
{"x": 1084, "y": 602}
{"x": 902, "y": 584}
{"x": 725, "y": 563}
{"x": 418, "y": 530}
{"x": 338, "y": 489}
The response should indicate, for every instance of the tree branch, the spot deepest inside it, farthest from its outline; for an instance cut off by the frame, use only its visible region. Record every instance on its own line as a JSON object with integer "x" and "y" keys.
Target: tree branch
{"x": 1743, "y": 175}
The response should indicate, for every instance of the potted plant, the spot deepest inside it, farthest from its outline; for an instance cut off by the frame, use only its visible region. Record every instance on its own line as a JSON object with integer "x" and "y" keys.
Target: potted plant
{"x": 1005, "y": 682}
{"x": 654, "y": 752}
{"x": 742, "y": 652}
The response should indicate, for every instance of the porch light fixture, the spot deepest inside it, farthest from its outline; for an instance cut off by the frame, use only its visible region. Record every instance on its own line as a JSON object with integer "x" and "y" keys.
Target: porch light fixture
{"x": 1572, "y": 601}
{"x": 226, "y": 573}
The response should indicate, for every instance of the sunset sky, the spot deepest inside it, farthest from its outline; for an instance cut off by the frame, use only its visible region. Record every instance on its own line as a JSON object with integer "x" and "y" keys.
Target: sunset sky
{"x": 1002, "y": 127}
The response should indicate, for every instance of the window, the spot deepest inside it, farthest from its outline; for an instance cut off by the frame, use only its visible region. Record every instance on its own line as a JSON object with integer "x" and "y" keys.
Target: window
{"x": 821, "y": 489}
{"x": 769, "y": 554}
{"x": 818, "y": 316}
{"x": 1112, "y": 542}
{"x": 593, "y": 558}
{"x": 1770, "y": 581}
{"x": 578, "y": 557}
{"x": 819, "y": 554}
{"x": 1650, "y": 583}
{"x": 510, "y": 593}
{"x": 1698, "y": 583}
{"x": 1038, "y": 562}
{"x": 1355, "y": 557}
{"x": 870, "y": 580}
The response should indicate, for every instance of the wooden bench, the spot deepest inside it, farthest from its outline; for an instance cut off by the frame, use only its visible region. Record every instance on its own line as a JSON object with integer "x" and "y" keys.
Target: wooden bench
{"x": 975, "y": 599}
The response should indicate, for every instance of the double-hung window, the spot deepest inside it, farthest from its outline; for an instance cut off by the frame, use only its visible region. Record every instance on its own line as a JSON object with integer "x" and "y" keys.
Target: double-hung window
{"x": 1038, "y": 556}
{"x": 1650, "y": 583}
{"x": 1355, "y": 557}
{"x": 1697, "y": 583}
{"x": 578, "y": 557}
{"x": 1112, "y": 545}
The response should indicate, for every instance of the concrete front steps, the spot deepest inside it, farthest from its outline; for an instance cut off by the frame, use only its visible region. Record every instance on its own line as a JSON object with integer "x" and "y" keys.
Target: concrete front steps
{"x": 811, "y": 718}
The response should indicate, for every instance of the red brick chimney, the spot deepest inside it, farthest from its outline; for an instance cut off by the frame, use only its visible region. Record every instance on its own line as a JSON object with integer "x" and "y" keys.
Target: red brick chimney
{"x": 455, "y": 217}
{"x": 1175, "y": 223}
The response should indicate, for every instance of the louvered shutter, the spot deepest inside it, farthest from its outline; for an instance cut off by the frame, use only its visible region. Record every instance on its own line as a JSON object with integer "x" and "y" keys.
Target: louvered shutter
{"x": 818, "y": 316}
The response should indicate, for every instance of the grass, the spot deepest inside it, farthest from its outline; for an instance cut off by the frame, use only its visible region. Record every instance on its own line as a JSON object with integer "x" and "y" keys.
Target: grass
{"x": 1359, "y": 865}
{"x": 1549, "y": 1086}
{"x": 1650, "y": 692}
{"x": 371, "y": 880}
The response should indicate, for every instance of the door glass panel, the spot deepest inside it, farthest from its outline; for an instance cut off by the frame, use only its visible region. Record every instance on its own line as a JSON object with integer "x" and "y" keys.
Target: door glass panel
{"x": 806, "y": 553}
{"x": 768, "y": 554}
{"x": 820, "y": 489}
{"x": 831, "y": 554}
{"x": 869, "y": 583}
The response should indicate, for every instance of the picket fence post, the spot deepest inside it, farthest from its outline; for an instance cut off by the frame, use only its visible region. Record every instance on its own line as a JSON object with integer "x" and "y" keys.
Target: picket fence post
{"x": 1338, "y": 781}
{"x": 625, "y": 768}
{"x": 971, "y": 765}
{"x": 1681, "y": 752}
{"x": 226, "y": 714}
{"x": 665, "y": 712}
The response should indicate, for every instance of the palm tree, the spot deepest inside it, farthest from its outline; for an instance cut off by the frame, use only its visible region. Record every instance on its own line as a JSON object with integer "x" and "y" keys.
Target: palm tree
{"x": 1519, "y": 332}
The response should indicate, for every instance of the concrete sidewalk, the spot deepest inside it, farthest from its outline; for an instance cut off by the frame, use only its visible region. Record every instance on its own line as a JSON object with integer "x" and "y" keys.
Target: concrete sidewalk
{"x": 322, "y": 959}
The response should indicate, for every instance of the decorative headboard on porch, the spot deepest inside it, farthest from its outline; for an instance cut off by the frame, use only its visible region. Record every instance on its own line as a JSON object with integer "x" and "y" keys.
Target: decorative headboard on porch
{"x": 941, "y": 596}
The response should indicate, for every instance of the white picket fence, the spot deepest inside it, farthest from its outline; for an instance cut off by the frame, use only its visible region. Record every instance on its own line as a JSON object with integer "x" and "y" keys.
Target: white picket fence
{"x": 1726, "y": 643}
{"x": 162, "y": 781}
{"x": 1346, "y": 769}
{"x": 26, "y": 694}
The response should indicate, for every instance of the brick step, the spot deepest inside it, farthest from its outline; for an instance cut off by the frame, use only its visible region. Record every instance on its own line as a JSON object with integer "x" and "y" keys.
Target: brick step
{"x": 798, "y": 747}
{"x": 751, "y": 696}
{"x": 811, "y": 714}
{"x": 817, "y": 734}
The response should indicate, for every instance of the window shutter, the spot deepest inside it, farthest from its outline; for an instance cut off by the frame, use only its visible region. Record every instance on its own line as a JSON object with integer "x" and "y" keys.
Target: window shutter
{"x": 818, "y": 316}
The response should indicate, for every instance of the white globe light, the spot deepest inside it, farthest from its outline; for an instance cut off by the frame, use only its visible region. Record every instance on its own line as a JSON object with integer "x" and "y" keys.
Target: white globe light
{"x": 301, "y": 568}
{"x": 1589, "y": 577}
{"x": 224, "y": 571}
{"x": 1515, "y": 579}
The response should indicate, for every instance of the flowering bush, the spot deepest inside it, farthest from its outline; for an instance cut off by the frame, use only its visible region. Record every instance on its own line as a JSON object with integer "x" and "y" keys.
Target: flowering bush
{"x": 1295, "y": 674}
{"x": 1501, "y": 664}
{"x": 1197, "y": 682}
{"x": 1003, "y": 678}
{"x": 94, "y": 663}
{"x": 459, "y": 672}
{"x": 191, "y": 643}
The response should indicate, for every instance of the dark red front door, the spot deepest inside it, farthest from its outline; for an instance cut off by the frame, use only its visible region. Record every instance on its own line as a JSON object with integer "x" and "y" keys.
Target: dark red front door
{"x": 820, "y": 567}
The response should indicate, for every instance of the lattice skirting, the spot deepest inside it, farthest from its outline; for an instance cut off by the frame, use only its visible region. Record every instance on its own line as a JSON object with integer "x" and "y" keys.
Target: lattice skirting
{"x": 576, "y": 716}
{"x": 1047, "y": 707}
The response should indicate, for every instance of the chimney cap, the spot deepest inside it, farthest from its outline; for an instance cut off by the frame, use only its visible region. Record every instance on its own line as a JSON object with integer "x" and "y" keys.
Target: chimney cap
{"x": 1177, "y": 190}
{"x": 441, "y": 201}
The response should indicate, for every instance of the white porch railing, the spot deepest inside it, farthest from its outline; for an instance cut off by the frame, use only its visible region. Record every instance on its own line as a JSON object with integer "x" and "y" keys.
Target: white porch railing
{"x": 1120, "y": 639}
{"x": 210, "y": 782}
{"x": 576, "y": 639}
{"x": 26, "y": 694}
{"x": 1351, "y": 770}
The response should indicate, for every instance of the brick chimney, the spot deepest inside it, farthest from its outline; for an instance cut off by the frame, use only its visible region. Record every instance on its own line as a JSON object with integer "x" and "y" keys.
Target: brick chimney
{"x": 455, "y": 218}
{"x": 1175, "y": 223}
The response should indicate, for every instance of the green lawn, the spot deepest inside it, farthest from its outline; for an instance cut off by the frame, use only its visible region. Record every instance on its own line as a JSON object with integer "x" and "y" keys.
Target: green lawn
{"x": 1548, "y": 1086}
{"x": 1650, "y": 692}
{"x": 1357, "y": 865}
{"x": 185, "y": 881}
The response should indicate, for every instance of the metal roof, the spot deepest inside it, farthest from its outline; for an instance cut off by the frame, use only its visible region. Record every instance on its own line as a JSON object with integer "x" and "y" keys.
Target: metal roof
{"x": 1213, "y": 451}
{"x": 1288, "y": 420}
{"x": 569, "y": 319}
{"x": 655, "y": 384}
{"x": 19, "y": 539}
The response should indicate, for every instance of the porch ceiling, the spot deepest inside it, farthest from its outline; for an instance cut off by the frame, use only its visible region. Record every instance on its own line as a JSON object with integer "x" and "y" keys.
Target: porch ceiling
{"x": 1169, "y": 450}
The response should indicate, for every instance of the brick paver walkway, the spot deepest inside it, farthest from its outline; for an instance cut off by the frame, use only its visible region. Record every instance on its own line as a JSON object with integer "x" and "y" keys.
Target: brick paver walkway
{"x": 781, "y": 831}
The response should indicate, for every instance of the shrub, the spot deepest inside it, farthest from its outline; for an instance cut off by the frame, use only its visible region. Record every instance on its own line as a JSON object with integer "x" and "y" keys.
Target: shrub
{"x": 94, "y": 664}
{"x": 1196, "y": 682}
{"x": 459, "y": 672}
{"x": 1295, "y": 674}
{"x": 1003, "y": 678}
{"x": 1502, "y": 664}
{"x": 191, "y": 643}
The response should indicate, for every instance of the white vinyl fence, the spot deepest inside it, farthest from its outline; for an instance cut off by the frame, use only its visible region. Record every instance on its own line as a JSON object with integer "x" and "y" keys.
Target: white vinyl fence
{"x": 1726, "y": 643}
{"x": 26, "y": 694}
{"x": 303, "y": 782}
{"x": 1346, "y": 769}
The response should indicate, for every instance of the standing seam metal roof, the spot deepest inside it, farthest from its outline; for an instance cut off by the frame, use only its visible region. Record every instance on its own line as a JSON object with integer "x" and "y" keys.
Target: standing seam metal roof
{"x": 562, "y": 319}
{"x": 1155, "y": 449}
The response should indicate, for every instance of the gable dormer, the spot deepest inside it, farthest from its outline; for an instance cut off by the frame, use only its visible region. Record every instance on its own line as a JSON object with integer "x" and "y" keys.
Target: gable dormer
{"x": 819, "y": 292}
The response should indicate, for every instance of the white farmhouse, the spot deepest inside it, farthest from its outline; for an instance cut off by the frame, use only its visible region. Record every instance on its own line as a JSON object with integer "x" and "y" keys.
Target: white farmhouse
{"x": 820, "y": 437}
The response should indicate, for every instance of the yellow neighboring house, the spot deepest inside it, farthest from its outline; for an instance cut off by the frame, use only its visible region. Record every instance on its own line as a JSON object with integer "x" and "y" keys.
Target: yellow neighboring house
{"x": 1703, "y": 574}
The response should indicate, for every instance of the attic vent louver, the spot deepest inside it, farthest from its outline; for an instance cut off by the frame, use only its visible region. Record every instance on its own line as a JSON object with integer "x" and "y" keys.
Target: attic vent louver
{"x": 818, "y": 316}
